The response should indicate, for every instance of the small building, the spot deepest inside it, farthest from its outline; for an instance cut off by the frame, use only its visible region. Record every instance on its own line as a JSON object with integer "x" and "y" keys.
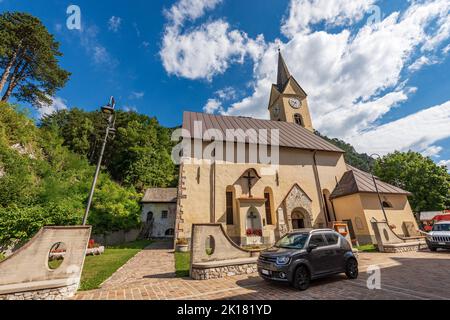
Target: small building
{"x": 159, "y": 206}
{"x": 355, "y": 201}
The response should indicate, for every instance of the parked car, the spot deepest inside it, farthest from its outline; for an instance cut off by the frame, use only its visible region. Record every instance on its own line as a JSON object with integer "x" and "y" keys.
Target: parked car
{"x": 305, "y": 255}
{"x": 439, "y": 237}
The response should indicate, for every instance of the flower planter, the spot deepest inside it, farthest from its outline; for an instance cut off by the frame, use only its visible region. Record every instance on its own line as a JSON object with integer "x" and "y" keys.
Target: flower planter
{"x": 254, "y": 240}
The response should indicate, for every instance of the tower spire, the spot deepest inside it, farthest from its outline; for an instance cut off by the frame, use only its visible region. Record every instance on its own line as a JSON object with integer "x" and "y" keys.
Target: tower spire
{"x": 283, "y": 72}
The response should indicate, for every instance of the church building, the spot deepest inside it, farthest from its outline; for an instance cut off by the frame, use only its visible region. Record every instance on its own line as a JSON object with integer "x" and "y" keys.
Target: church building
{"x": 311, "y": 186}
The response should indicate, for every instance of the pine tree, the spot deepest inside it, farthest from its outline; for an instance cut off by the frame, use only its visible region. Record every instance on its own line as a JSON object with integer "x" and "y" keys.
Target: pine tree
{"x": 29, "y": 59}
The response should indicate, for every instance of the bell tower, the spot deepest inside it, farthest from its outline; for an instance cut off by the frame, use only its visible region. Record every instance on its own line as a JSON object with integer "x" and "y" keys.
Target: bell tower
{"x": 288, "y": 101}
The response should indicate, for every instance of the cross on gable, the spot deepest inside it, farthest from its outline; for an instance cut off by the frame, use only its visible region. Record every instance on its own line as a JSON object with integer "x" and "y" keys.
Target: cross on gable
{"x": 249, "y": 177}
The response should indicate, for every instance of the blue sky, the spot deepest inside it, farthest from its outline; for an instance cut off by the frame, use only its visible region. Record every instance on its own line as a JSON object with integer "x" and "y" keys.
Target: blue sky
{"x": 376, "y": 71}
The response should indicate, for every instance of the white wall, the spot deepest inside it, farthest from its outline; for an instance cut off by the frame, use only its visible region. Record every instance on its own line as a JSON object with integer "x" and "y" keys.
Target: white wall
{"x": 160, "y": 225}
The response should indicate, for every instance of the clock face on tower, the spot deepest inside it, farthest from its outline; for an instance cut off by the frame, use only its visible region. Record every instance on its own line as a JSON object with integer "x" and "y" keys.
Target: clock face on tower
{"x": 295, "y": 103}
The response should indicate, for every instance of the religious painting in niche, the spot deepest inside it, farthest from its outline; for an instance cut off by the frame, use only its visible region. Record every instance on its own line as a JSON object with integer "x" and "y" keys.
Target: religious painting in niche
{"x": 253, "y": 226}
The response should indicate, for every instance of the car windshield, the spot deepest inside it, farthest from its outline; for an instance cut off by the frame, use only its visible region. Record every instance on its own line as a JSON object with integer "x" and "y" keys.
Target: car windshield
{"x": 292, "y": 241}
{"x": 441, "y": 227}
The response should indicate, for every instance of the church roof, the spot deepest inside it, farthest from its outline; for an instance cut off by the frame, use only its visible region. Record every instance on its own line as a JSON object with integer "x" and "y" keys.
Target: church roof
{"x": 356, "y": 181}
{"x": 290, "y": 134}
{"x": 160, "y": 195}
{"x": 283, "y": 73}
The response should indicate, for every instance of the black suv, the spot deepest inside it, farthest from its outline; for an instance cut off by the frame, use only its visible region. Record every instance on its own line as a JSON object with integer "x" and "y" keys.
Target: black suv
{"x": 304, "y": 255}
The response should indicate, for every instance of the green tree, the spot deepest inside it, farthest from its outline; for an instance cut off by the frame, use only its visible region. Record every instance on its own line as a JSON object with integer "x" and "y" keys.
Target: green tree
{"x": 428, "y": 182}
{"x": 137, "y": 155}
{"x": 42, "y": 183}
{"x": 29, "y": 59}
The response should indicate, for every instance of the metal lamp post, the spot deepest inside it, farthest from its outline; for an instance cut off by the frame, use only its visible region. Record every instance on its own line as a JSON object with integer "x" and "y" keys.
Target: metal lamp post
{"x": 376, "y": 187}
{"x": 109, "y": 110}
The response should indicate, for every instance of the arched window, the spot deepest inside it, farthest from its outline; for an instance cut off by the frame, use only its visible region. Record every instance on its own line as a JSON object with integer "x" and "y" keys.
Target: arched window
{"x": 387, "y": 204}
{"x": 149, "y": 217}
{"x": 298, "y": 119}
{"x": 230, "y": 205}
{"x": 268, "y": 205}
{"x": 169, "y": 232}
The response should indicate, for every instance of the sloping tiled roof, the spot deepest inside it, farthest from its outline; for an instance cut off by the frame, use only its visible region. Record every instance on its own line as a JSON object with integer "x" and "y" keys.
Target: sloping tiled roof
{"x": 159, "y": 195}
{"x": 355, "y": 181}
{"x": 291, "y": 135}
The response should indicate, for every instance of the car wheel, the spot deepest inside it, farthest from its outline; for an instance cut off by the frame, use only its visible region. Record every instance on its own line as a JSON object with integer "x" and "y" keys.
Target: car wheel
{"x": 432, "y": 249}
{"x": 351, "y": 269}
{"x": 302, "y": 278}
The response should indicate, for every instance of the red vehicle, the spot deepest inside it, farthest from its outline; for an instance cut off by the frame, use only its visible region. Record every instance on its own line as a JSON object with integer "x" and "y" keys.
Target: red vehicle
{"x": 438, "y": 218}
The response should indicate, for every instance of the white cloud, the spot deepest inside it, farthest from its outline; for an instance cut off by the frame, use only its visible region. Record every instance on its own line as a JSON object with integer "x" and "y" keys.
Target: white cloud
{"x": 137, "y": 95}
{"x": 56, "y": 105}
{"x": 189, "y": 10}
{"x": 445, "y": 163}
{"x": 206, "y": 50}
{"x": 114, "y": 23}
{"x": 446, "y": 49}
{"x": 212, "y": 106}
{"x": 432, "y": 151}
{"x": 130, "y": 109}
{"x": 99, "y": 54}
{"x": 304, "y": 13}
{"x": 227, "y": 93}
{"x": 421, "y": 62}
{"x": 415, "y": 132}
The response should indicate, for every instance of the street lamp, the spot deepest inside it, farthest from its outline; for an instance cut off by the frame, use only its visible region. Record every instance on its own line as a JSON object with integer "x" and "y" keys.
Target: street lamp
{"x": 376, "y": 187}
{"x": 108, "y": 110}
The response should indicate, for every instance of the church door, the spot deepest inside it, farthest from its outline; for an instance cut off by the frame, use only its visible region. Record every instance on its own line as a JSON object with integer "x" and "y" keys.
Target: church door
{"x": 299, "y": 221}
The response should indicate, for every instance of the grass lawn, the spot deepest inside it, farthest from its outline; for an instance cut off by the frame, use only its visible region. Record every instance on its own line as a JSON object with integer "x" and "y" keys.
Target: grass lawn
{"x": 367, "y": 248}
{"x": 99, "y": 268}
{"x": 182, "y": 264}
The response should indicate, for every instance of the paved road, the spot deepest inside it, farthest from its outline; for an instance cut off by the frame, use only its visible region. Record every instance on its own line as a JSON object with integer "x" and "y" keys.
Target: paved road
{"x": 150, "y": 275}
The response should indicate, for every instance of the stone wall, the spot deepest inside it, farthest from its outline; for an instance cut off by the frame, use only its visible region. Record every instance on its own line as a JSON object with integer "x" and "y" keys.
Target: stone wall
{"x": 117, "y": 237}
{"x": 224, "y": 271}
{"x": 46, "y": 294}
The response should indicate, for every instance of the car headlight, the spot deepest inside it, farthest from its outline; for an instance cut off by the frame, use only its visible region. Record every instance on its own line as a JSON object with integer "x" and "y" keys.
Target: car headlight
{"x": 283, "y": 260}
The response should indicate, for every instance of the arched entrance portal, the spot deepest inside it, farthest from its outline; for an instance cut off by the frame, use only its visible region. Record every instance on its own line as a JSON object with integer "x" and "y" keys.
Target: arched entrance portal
{"x": 300, "y": 219}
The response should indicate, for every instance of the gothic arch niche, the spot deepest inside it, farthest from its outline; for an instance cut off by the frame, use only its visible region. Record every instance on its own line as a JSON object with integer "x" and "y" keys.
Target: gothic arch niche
{"x": 253, "y": 220}
{"x": 297, "y": 201}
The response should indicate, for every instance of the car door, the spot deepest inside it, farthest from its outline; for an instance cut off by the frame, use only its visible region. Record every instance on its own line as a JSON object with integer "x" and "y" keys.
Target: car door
{"x": 335, "y": 258}
{"x": 319, "y": 256}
